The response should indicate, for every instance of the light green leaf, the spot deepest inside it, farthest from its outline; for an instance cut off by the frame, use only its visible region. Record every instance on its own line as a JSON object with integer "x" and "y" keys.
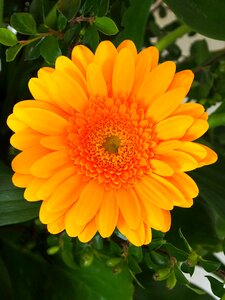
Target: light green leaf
{"x": 134, "y": 22}
{"x": 106, "y": 25}
{"x": 12, "y": 52}
{"x": 68, "y": 8}
{"x": 7, "y": 37}
{"x": 204, "y": 16}
{"x": 23, "y": 23}
{"x": 50, "y": 49}
{"x": 13, "y": 208}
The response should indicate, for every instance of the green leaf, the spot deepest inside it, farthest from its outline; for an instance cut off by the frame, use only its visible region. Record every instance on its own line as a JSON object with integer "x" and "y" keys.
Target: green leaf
{"x": 7, "y": 37}
{"x": 33, "y": 50}
{"x": 208, "y": 265}
{"x": 12, "y": 52}
{"x": 186, "y": 268}
{"x": 216, "y": 286}
{"x": 106, "y": 25}
{"x": 95, "y": 7}
{"x": 13, "y": 208}
{"x": 50, "y": 49}
{"x": 61, "y": 22}
{"x": 196, "y": 290}
{"x": 69, "y": 8}
{"x": 23, "y": 23}
{"x": 204, "y": 16}
{"x": 134, "y": 22}
{"x": 180, "y": 276}
{"x": 200, "y": 51}
{"x": 91, "y": 37}
{"x": 176, "y": 252}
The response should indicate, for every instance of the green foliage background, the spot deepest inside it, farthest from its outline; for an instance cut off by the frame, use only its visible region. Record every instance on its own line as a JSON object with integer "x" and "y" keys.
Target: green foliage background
{"x": 36, "y": 265}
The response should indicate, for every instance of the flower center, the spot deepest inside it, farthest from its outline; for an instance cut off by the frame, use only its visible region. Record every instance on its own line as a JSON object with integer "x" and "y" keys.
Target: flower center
{"x": 112, "y": 144}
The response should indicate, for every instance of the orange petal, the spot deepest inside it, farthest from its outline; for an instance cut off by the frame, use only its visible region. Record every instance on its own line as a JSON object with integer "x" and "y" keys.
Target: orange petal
{"x": 105, "y": 56}
{"x": 155, "y": 56}
{"x": 47, "y": 216}
{"x": 196, "y": 130}
{"x": 161, "y": 168}
{"x": 21, "y": 180}
{"x": 182, "y": 79}
{"x": 54, "y": 142}
{"x": 192, "y": 109}
{"x": 72, "y": 228}
{"x": 136, "y": 237}
{"x": 148, "y": 234}
{"x": 123, "y": 73}
{"x": 197, "y": 151}
{"x": 66, "y": 194}
{"x": 53, "y": 182}
{"x": 82, "y": 57}
{"x": 25, "y": 139}
{"x": 57, "y": 226}
{"x": 128, "y": 44}
{"x": 210, "y": 158}
{"x": 179, "y": 161}
{"x": 88, "y": 232}
{"x": 163, "y": 106}
{"x": 95, "y": 81}
{"x": 166, "y": 146}
{"x": 23, "y": 161}
{"x": 43, "y": 121}
{"x": 89, "y": 202}
{"x": 156, "y": 83}
{"x": 148, "y": 189}
{"x": 173, "y": 127}
{"x": 108, "y": 214}
{"x": 129, "y": 207}
{"x": 15, "y": 124}
{"x": 47, "y": 165}
{"x": 32, "y": 188}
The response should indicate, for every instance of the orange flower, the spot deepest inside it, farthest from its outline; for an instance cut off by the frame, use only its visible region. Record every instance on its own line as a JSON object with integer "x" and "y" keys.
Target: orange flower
{"x": 106, "y": 142}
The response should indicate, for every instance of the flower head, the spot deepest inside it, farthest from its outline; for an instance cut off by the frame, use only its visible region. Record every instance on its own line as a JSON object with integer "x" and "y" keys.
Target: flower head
{"x": 107, "y": 141}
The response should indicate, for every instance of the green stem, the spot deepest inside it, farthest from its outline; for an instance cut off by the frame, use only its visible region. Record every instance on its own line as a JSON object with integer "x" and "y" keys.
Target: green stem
{"x": 1, "y": 11}
{"x": 172, "y": 37}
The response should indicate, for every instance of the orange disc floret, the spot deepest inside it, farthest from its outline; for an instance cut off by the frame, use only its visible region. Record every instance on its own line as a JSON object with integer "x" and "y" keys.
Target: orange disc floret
{"x": 106, "y": 142}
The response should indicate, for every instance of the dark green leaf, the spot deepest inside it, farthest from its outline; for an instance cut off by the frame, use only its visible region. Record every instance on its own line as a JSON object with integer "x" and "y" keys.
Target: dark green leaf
{"x": 159, "y": 258}
{"x": 176, "y": 252}
{"x": 13, "y": 208}
{"x": 33, "y": 50}
{"x": 95, "y": 7}
{"x": 133, "y": 265}
{"x": 196, "y": 289}
{"x": 91, "y": 37}
{"x": 7, "y": 291}
{"x": 23, "y": 23}
{"x": 50, "y": 49}
{"x": 136, "y": 252}
{"x": 7, "y": 37}
{"x": 186, "y": 268}
{"x": 61, "y": 22}
{"x": 208, "y": 265}
{"x": 72, "y": 33}
{"x": 134, "y": 22}
{"x": 12, "y": 52}
{"x": 69, "y": 8}
{"x": 204, "y": 16}
{"x": 200, "y": 51}
{"x": 106, "y": 25}
{"x": 180, "y": 276}
{"x": 216, "y": 286}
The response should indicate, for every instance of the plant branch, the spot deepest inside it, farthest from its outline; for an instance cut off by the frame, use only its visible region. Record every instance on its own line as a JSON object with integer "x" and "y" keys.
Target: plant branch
{"x": 172, "y": 37}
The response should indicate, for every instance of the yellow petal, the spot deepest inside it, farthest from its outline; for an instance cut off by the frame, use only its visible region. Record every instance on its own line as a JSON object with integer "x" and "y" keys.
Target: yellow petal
{"x": 155, "y": 56}
{"x": 123, "y": 73}
{"x": 129, "y": 207}
{"x": 47, "y": 216}
{"x": 108, "y": 214}
{"x": 89, "y": 202}
{"x": 66, "y": 194}
{"x": 53, "y": 182}
{"x": 148, "y": 189}
{"x": 50, "y": 163}
{"x": 39, "y": 90}
{"x": 105, "y": 56}
{"x": 21, "y": 180}
{"x": 43, "y": 121}
{"x": 15, "y": 124}
{"x": 143, "y": 67}
{"x": 148, "y": 234}
{"x": 166, "y": 146}
{"x": 128, "y": 44}
{"x": 196, "y": 130}
{"x": 25, "y": 139}
{"x": 192, "y": 109}
{"x": 182, "y": 79}
{"x": 54, "y": 142}
{"x": 156, "y": 83}
{"x": 95, "y": 81}
{"x": 82, "y": 57}
{"x": 179, "y": 161}
{"x": 173, "y": 127}
{"x": 196, "y": 150}
{"x": 30, "y": 193}
{"x": 161, "y": 168}
{"x": 23, "y": 161}
{"x": 165, "y": 105}
{"x": 57, "y": 226}
{"x": 72, "y": 228}
{"x": 88, "y": 232}
{"x": 210, "y": 158}
{"x": 136, "y": 237}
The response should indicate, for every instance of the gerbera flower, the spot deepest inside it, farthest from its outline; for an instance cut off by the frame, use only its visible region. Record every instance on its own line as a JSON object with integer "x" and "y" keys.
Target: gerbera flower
{"x": 107, "y": 141}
